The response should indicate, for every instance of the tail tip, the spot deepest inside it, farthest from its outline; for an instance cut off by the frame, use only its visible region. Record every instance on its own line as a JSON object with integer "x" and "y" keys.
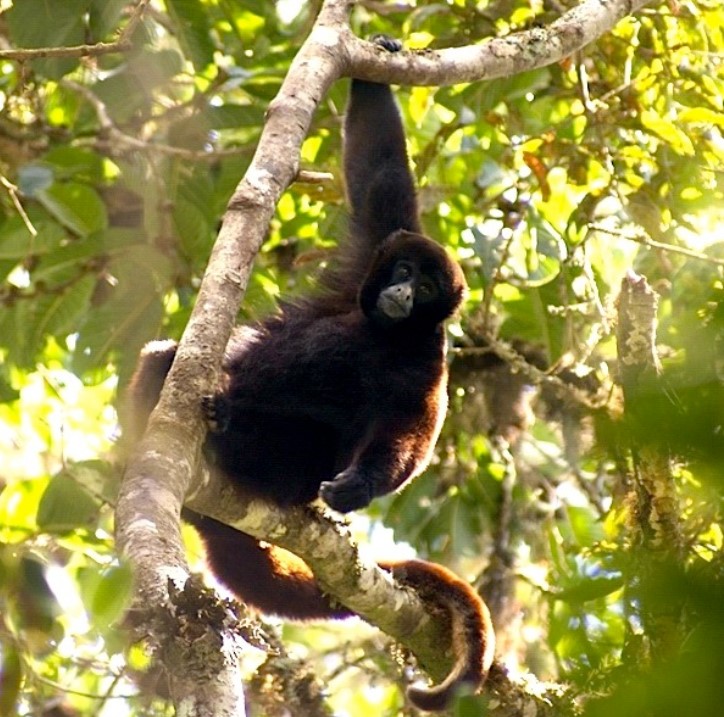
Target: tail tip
{"x": 439, "y": 697}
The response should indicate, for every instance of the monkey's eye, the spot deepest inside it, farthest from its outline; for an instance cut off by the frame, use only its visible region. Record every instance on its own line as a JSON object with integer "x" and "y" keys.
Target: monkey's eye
{"x": 427, "y": 289}
{"x": 402, "y": 272}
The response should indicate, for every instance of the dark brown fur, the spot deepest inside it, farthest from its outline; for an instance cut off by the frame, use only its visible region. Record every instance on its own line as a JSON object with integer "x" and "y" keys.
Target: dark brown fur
{"x": 337, "y": 396}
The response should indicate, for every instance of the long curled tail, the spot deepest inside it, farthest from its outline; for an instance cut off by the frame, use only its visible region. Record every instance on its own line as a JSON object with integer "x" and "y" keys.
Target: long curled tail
{"x": 473, "y": 637}
{"x": 279, "y": 583}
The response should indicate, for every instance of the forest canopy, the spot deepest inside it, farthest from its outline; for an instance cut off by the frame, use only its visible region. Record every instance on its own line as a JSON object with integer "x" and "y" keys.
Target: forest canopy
{"x": 578, "y": 480}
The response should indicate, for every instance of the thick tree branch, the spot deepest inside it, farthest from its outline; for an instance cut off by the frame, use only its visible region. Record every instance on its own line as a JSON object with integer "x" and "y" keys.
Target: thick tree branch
{"x": 326, "y": 546}
{"x": 498, "y": 57}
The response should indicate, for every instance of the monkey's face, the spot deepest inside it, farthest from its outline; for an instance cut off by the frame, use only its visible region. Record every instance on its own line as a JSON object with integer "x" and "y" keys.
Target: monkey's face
{"x": 412, "y": 281}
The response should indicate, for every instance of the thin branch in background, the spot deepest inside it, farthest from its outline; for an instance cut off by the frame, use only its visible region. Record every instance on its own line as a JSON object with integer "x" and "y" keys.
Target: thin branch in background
{"x": 640, "y": 237}
{"x": 497, "y": 582}
{"x": 518, "y": 363}
{"x": 13, "y": 192}
{"x": 585, "y": 86}
{"x": 599, "y": 329}
{"x": 101, "y": 48}
{"x": 111, "y": 135}
{"x": 87, "y": 695}
{"x": 496, "y": 279}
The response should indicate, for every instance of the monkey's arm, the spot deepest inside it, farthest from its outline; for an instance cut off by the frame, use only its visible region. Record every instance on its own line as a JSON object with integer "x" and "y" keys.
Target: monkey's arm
{"x": 398, "y": 449}
{"x": 379, "y": 182}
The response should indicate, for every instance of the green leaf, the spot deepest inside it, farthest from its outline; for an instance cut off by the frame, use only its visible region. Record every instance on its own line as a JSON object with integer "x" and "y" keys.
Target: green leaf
{"x": 65, "y": 506}
{"x": 106, "y": 593}
{"x": 19, "y": 503}
{"x": 69, "y": 259}
{"x": 104, "y": 16}
{"x": 194, "y": 227}
{"x": 66, "y": 283}
{"x": 193, "y": 31}
{"x": 471, "y": 706}
{"x": 488, "y": 248}
{"x": 590, "y": 589}
{"x": 702, "y": 115}
{"x": 130, "y": 316}
{"x": 75, "y": 163}
{"x": 7, "y": 392}
{"x": 585, "y": 525}
{"x": 230, "y": 116}
{"x": 76, "y": 206}
{"x": 39, "y": 23}
{"x": 35, "y": 608}
{"x": 131, "y": 89}
{"x": 96, "y": 477}
{"x": 16, "y": 242}
{"x": 60, "y": 314}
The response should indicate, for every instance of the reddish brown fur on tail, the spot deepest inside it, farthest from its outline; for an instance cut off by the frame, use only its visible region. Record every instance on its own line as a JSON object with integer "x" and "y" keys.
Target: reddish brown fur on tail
{"x": 473, "y": 638}
{"x": 264, "y": 576}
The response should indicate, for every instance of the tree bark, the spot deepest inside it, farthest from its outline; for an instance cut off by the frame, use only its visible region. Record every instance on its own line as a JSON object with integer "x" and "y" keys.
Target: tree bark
{"x": 656, "y": 521}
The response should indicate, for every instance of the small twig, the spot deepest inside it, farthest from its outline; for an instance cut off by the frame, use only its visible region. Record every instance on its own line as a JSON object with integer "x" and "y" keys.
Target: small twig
{"x": 641, "y": 238}
{"x": 598, "y": 329}
{"x": 100, "y": 48}
{"x": 110, "y": 134}
{"x": 86, "y": 695}
{"x": 585, "y": 88}
{"x": 13, "y": 192}
{"x": 309, "y": 176}
{"x": 498, "y": 579}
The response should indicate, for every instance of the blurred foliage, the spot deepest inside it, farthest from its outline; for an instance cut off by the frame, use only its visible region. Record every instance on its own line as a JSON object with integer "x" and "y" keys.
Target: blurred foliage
{"x": 548, "y": 186}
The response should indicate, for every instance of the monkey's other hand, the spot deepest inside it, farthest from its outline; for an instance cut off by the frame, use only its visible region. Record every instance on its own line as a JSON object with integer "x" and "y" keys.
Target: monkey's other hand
{"x": 216, "y": 413}
{"x": 389, "y": 43}
{"x": 348, "y": 491}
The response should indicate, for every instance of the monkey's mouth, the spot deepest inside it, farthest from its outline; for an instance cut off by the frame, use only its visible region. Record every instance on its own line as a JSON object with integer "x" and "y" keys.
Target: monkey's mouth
{"x": 394, "y": 306}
